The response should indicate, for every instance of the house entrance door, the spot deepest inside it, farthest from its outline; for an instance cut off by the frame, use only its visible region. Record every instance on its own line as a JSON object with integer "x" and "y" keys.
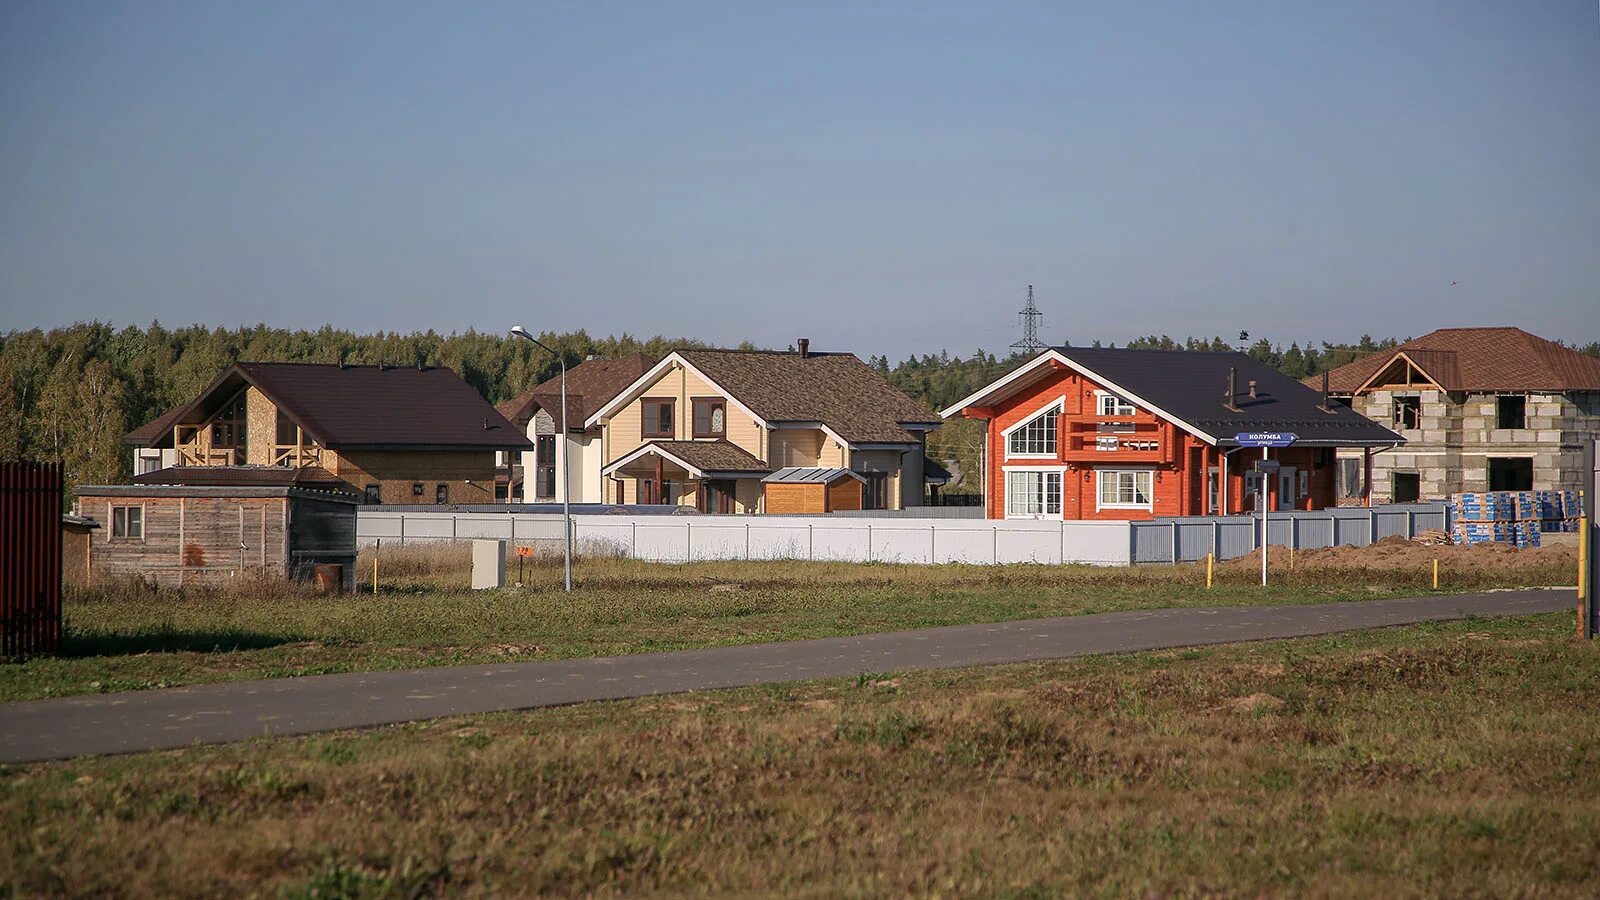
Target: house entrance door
{"x": 1286, "y": 487}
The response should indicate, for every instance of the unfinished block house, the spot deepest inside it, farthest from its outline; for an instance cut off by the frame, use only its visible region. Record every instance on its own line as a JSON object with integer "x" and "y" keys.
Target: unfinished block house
{"x": 1481, "y": 409}
{"x": 410, "y": 435}
{"x": 1092, "y": 433}
{"x": 707, "y": 428}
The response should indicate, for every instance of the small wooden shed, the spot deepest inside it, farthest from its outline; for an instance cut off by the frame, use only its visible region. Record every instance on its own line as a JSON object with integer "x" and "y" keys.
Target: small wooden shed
{"x": 76, "y": 532}
{"x": 802, "y": 490}
{"x": 235, "y": 522}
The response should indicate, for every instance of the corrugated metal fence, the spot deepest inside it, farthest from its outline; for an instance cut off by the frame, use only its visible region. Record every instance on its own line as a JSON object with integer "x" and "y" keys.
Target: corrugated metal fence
{"x": 1190, "y": 538}
{"x": 30, "y": 550}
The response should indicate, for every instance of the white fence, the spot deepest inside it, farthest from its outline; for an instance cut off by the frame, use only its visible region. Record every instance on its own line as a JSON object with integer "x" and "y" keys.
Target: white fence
{"x": 687, "y": 538}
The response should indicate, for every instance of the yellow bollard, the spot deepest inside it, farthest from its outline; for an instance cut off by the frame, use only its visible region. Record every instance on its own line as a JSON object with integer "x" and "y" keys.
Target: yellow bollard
{"x": 1210, "y": 557}
{"x": 1436, "y": 574}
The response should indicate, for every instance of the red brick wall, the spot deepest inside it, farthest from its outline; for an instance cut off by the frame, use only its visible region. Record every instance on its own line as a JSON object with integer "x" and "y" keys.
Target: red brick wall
{"x": 1178, "y": 483}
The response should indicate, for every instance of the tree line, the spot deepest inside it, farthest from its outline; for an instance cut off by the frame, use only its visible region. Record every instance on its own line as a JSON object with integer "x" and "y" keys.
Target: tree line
{"x": 68, "y": 395}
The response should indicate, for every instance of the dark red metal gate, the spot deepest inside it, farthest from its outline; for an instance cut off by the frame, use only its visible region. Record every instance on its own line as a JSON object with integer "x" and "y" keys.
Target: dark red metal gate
{"x": 30, "y": 558}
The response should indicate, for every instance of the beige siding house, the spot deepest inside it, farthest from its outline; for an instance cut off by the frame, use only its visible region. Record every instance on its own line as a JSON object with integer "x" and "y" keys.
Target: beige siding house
{"x": 703, "y": 428}
{"x": 554, "y": 465}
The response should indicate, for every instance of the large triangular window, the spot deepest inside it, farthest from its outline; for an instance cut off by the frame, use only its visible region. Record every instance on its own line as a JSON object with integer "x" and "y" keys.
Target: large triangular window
{"x": 1036, "y": 436}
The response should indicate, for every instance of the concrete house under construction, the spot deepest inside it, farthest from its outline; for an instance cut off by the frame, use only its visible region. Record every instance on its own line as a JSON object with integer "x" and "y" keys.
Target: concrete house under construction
{"x": 1481, "y": 409}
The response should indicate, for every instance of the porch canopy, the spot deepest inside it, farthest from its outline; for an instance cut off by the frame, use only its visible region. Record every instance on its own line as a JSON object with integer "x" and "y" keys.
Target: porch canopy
{"x": 687, "y": 463}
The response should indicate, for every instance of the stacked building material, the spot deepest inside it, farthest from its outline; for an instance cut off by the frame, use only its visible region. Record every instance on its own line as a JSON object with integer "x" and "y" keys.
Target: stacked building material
{"x": 1513, "y": 517}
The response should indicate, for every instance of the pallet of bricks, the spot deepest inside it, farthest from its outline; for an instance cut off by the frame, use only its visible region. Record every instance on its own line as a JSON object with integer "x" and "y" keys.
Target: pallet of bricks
{"x": 1513, "y": 517}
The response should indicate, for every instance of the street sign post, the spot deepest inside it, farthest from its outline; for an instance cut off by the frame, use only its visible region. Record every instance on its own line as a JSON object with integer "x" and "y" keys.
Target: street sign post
{"x": 1266, "y": 440}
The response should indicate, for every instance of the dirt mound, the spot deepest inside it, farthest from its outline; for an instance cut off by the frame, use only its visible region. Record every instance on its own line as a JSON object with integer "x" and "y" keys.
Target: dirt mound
{"x": 1400, "y": 553}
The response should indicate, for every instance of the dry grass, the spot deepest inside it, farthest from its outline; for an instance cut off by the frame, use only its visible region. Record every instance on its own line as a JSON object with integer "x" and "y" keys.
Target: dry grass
{"x": 1460, "y": 759}
{"x": 129, "y": 637}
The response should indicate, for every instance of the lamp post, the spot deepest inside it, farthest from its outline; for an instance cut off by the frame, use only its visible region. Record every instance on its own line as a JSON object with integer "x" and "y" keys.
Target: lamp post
{"x": 566, "y": 493}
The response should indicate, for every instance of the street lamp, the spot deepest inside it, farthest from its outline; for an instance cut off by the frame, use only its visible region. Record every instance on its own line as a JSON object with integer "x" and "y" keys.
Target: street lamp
{"x": 566, "y": 492}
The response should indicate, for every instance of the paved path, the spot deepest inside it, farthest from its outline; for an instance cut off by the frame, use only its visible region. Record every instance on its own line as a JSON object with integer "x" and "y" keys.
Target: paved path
{"x": 178, "y": 717}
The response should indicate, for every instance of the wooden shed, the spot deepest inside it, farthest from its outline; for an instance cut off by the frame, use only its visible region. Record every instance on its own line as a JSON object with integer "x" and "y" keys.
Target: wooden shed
{"x": 76, "y": 532}
{"x": 801, "y": 490}
{"x": 240, "y": 522}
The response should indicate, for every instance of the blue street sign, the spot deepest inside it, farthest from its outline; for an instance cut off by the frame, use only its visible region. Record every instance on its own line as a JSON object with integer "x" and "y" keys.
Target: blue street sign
{"x": 1265, "y": 438}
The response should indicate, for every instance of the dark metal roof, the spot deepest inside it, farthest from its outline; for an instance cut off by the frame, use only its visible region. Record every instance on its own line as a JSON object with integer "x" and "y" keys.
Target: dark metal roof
{"x": 309, "y": 477}
{"x": 363, "y": 406}
{"x": 1191, "y": 386}
{"x": 810, "y": 475}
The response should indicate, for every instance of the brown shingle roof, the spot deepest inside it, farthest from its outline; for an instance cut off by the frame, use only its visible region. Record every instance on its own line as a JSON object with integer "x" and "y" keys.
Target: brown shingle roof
{"x": 363, "y": 406}
{"x": 590, "y": 385}
{"x": 1479, "y": 359}
{"x": 836, "y": 389}
{"x": 710, "y": 456}
{"x": 154, "y": 431}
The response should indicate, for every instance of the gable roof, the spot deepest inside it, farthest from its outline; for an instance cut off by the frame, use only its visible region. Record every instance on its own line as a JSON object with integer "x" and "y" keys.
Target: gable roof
{"x": 359, "y": 406}
{"x": 1188, "y": 388}
{"x": 1478, "y": 359}
{"x": 151, "y": 433}
{"x": 698, "y": 457}
{"x": 590, "y": 385}
{"x": 837, "y": 390}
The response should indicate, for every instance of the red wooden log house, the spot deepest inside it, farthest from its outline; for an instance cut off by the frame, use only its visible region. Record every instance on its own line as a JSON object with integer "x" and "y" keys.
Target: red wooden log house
{"x": 1100, "y": 433}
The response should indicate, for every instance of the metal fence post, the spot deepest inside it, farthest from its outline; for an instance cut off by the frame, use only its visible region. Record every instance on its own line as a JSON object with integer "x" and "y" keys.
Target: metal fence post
{"x": 402, "y": 529}
{"x": 996, "y": 545}
{"x": 1372, "y": 527}
{"x": 811, "y": 542}
{"x": 869, "y": 542}
{"x": 1294, "y": 532}
{"x": 1174, "y": 542}
{"x": 747, "y": 542}
{"x": 688, "y": 541}
{"x": 1411, "y": 523}
{"x": 933, "y": 544}
{"x": 633, "y": 540}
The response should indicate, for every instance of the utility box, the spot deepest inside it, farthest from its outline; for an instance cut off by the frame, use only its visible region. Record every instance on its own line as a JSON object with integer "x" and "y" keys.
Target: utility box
{"x": 488, "y": 565}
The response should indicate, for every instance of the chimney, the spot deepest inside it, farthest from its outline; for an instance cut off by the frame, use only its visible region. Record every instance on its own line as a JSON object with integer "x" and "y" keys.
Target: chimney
{"x": 1326, "y": 406}
{"x": 804, "y": 345}
{"x": 1252, "y": 389}
{"x": 1233, "y": 389}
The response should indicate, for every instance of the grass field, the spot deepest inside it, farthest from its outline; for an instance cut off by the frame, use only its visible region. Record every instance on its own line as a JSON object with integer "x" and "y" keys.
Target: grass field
{"x": 128, "y": 638}
{"x": 1457, "y": 759}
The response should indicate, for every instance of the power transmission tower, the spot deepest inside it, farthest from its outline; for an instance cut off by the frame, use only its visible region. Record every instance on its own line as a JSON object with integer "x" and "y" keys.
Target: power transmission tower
{"x": 1030, "y": 316}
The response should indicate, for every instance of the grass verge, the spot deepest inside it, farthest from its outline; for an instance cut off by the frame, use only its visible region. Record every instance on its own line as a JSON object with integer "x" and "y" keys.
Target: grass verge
{"x": 123, "y": 637}
{"x": 1453, "y": 759}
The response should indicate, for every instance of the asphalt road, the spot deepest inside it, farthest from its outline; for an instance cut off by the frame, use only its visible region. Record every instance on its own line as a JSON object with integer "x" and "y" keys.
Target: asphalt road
{"x": 180, "y": 717}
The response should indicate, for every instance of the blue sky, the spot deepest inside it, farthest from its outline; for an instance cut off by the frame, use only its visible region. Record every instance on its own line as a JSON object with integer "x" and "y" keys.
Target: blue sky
{"x": 885, "y": 178}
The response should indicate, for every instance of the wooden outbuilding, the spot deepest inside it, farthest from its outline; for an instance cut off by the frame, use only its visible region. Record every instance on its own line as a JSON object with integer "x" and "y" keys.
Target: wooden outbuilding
{"x": 801, "y": 490}
{"x": 221, "y": 524}
{"x": 76, "y": 532}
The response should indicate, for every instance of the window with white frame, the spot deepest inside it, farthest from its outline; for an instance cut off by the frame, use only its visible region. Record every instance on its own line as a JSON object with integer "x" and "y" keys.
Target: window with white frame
{"x": 1033, "y": 493}
{"x": 127, "y": 522}
{"x": 1035, "y": 437}
{"x": 1125, "y": 488}
{"x": 1112, "y": 405}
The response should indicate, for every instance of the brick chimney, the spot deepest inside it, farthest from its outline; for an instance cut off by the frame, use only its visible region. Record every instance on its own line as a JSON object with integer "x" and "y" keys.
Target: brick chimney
{"x": 804, "y": 346}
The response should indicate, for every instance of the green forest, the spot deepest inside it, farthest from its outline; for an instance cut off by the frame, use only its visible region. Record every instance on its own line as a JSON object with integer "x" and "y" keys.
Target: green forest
{"x": 68, "y": 395}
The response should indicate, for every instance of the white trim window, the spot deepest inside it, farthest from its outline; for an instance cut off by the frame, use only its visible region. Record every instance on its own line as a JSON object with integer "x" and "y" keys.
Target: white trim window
{"x": 1035, "y": 438}
{"x": 1033, "y": 493}
{"x": 1112, "y": 405}
{"x": 1126, "y": 488}
{"x": 127, "y": 523}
